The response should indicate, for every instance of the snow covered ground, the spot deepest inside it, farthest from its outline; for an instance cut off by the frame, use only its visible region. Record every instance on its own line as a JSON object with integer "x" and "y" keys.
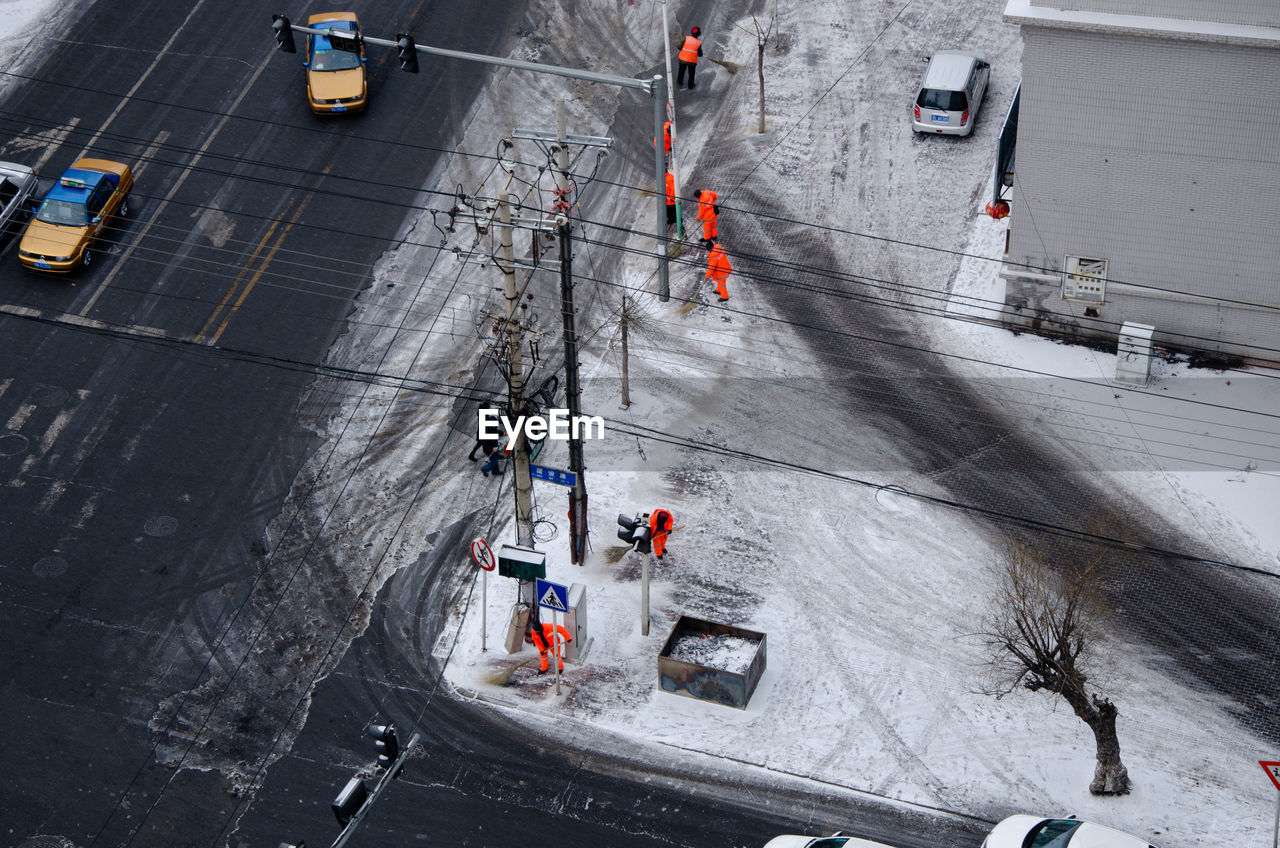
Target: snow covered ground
{"x": 867, "y": 596}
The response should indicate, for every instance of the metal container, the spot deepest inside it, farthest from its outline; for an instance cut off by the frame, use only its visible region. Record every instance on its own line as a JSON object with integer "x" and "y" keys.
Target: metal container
{"x": 707, "y": 682}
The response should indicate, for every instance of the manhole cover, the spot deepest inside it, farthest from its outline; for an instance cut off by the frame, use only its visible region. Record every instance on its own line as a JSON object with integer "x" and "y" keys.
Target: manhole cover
{"x": 49, "y": 396}
{"x": 12, "y": 443}
{"x": 160, "y": 525}
{"x": 50, "y": 566}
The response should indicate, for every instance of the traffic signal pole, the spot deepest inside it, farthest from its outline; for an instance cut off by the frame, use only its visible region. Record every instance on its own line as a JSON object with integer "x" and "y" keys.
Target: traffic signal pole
{"x": 383, "y": 783}
{"x": 654, "y": 86}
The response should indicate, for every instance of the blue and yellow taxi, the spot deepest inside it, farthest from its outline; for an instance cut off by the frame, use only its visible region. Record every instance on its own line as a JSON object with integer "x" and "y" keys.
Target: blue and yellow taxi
{"x": 336, "y": 76}
{"x": 74, "y": 213}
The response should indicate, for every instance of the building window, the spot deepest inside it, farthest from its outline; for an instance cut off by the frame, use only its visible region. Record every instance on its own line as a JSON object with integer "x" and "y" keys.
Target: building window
{"x": 1084, "y": 279}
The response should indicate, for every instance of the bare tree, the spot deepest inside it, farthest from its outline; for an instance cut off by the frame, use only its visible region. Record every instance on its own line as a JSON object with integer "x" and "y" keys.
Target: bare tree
{"x": 633, "y": 318}
{"x": 1039, "y": 633}
{"x": 762, "y": 34}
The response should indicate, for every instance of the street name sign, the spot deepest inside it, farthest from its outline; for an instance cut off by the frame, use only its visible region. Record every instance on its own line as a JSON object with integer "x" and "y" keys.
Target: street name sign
{"x": 553, "y": 475}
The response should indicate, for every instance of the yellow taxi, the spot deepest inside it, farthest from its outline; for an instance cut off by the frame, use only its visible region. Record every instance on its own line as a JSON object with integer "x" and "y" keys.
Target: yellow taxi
{"x": 74, "y": 213}
{"x": 335, "y": 76}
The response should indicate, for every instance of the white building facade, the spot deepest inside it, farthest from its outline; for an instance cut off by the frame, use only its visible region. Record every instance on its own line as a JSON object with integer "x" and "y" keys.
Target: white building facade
{"x": 1146, "y": 180}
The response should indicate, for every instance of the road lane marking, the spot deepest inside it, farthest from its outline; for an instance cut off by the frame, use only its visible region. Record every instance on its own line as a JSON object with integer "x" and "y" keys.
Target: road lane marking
{"x": 20, "y": 417}
{"x": 124, "y": 101}
{"x": 178, "y": 184}
{"x": 83, "y": 448}
{"x": 244, "y": 270}
{"x": 50, "y": 435}
{"x": 253, "y": 281}
{"x": 91, "y": 323}
{"x": 149, "y": 153}
{"x": 48, "y": 141}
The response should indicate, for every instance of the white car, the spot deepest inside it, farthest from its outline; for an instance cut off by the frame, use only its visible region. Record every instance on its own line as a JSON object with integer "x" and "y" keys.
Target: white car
{"x": 1038, "y": 832}
{"x": 17, "y": 184}
{"x": 837, "y": 841}
{"x": 951, "y": 93}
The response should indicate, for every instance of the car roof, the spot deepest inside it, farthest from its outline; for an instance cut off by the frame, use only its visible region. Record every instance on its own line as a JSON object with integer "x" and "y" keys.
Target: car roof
{"x": 13, "y": 169}
{"x": 1012, "y": 833}
{"x": 949, "y": 70}
{"x": 331, "y": 20}
{"x": 74, "y": 195}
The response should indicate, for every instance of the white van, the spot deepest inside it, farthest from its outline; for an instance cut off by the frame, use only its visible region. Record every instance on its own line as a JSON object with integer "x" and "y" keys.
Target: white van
{"x": 950, "y": 93}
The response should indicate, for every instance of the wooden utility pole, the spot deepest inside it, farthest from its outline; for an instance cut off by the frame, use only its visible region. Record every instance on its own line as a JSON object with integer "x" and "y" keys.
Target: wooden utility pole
{"x": 622, "y": 325}
{"x": 515, "y": 375}
{"x": 572, "y": 389}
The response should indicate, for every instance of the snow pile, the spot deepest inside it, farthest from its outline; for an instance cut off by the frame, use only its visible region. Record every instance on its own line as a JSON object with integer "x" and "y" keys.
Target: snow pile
{"x": 723, "y": 651}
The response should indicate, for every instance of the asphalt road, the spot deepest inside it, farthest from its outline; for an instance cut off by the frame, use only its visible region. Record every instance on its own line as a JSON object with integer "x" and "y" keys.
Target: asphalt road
{"x": 152, "y": 402}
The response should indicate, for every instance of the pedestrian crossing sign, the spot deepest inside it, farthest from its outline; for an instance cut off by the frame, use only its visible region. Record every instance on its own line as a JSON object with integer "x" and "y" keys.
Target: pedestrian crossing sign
{"x": 553, "y": 596}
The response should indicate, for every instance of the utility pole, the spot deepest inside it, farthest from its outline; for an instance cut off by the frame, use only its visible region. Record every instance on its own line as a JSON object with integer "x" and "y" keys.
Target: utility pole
{"x": 515, "y": 376}
{"x": 623, "y": 321}
{"x": 572, "y": 390}
{"x": 671, "y": 116}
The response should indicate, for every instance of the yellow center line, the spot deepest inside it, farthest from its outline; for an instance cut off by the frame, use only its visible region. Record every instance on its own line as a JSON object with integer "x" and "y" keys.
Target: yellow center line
{"x": 253, "y": 281}
{"x": 239, "y": 277}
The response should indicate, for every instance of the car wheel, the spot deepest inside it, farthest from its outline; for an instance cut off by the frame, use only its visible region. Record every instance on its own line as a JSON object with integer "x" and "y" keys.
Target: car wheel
{"x": 124, "y": 207}
{"x": 87, "y": 260}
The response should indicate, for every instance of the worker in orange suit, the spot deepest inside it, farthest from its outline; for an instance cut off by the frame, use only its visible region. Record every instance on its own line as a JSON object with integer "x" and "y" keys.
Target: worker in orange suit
{"x": 690, "y": 50}
{"x": 660, "y": 525}
{"x": 666, "y": 135}
{"x": 549, "y": 640}
{"x": 708, "y": 213}
{"x": 671, "y": 199}
{"x": 718, "y": 269}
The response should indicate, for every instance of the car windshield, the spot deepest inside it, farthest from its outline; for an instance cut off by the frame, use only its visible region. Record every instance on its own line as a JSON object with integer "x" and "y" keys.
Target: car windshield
{"x": 942, "y": 100}
{"x": 1054, "y": 833}
{"x": 63, "y": 212}
{"x": 334, "y": 60}
{"x": 8, "y": 191}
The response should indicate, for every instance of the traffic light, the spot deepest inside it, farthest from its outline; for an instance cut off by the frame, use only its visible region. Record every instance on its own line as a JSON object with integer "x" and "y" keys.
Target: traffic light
{"x": 386, "y": 742}
{"x": 350, "y": 800}
{"x": 408, "y": 52}
{"x": 284, "y": 33}
{"x": 343, "y": 39}
{"x": 635, "y": 531}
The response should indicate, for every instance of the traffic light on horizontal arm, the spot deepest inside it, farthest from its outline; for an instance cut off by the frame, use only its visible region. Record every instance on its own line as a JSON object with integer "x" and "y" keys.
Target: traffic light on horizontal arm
{"x": 386, "y": 742}
{"x": 408, "y": 52}
{"x": 284, "y": 33}
{"x": 635, "y": 531}
{"x": 344, "y": 39}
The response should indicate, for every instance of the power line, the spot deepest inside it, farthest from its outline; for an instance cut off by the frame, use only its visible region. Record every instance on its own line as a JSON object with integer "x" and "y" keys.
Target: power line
{"x": 767, "y": 216}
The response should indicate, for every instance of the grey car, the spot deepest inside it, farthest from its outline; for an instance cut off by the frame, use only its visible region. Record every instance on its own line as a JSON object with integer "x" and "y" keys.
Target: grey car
{"x": 17, "y": 184}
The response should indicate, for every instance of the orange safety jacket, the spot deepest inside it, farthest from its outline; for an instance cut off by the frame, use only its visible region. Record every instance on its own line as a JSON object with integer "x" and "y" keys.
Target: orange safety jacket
{"x": 707, "y": 213}
{"x": 671, "y": 189}
{"x": 547, "y": 641}
{"x": 690, "y": 49}
{"x": 718, "y": 267}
